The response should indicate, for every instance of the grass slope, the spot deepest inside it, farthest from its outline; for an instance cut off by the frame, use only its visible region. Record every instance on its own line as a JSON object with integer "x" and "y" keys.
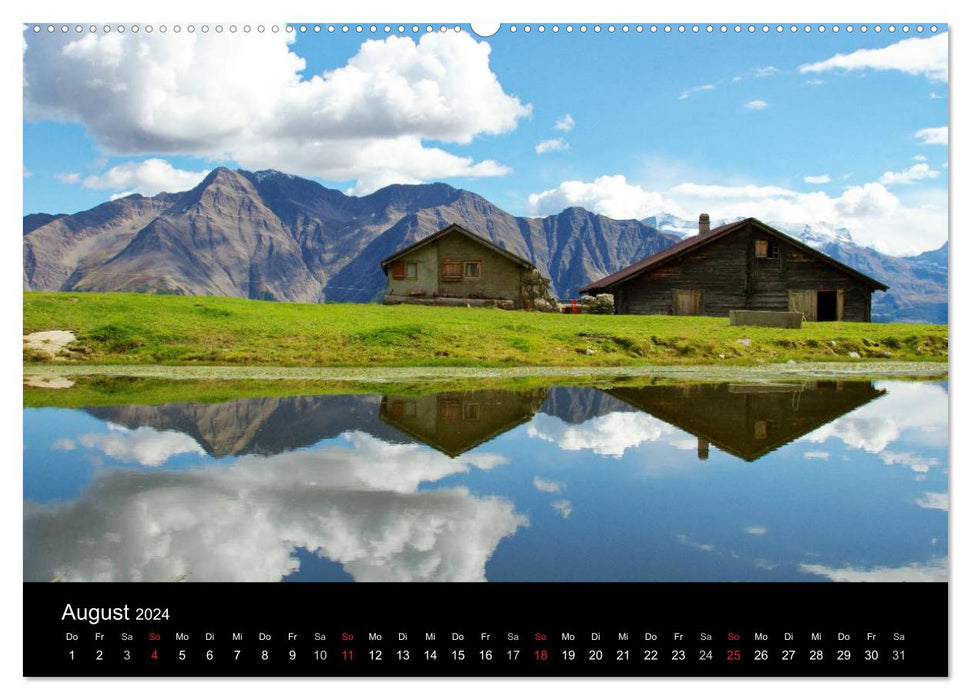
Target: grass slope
{"x": 116, "y": 328}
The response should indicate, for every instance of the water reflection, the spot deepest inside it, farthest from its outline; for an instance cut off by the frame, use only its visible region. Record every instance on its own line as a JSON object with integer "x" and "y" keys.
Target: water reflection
{"x": 661, "y": 482}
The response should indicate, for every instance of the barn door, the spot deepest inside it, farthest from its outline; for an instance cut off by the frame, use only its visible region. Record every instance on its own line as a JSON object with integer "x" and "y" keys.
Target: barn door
{"x": 804, "y": 301}
{"x": 687, "y": 302}
{"x": 840, "y": 301}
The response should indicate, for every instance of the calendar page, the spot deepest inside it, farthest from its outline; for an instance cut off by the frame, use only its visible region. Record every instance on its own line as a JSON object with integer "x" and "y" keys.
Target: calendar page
{"x": 537, "y": 349}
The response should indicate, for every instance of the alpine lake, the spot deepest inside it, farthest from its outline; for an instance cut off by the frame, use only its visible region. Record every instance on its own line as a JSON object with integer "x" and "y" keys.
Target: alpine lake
{"x": 654, "y": 480}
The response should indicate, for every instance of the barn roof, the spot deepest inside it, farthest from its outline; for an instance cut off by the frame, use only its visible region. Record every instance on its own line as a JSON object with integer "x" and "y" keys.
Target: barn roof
{"x": 455, "y": 228}
{"x": 693, "y": 243}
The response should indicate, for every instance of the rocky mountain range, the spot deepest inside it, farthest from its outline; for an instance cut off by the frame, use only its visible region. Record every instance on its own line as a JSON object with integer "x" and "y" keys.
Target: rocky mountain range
{"x": 269, "y": 235}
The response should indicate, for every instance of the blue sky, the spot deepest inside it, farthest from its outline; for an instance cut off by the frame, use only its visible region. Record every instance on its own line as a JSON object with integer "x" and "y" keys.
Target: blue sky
{"x": 844, "y": 127}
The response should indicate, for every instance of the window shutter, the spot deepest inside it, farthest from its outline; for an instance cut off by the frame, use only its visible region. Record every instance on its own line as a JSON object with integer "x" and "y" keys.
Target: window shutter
{"x": 451, "y": 271}
{"x": 398, "y": 271}
{"x": 761, "y": 249}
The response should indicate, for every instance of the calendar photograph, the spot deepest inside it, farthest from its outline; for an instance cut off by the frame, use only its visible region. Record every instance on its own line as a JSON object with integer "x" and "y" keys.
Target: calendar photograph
{"x": 563, "y": 304}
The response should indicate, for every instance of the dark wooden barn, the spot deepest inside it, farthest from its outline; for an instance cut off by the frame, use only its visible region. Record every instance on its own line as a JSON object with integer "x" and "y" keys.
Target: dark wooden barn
{"x": 749, "y": 420}
{"x": 742, "y": 265}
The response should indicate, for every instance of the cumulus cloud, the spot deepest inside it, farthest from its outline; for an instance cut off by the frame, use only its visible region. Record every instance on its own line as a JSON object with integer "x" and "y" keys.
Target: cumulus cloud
{"x": 564, "y": 508}
{"x": 756, "y": 530}
{"x": 816, "y": 455}
{"x": 933, "y": 136}
{"x": 756, "y": 104}
{"x": 610, "y": 435}
{"x": 143, "y": 445}
{"x": 879, "y": 424}
{"x": 920, "y": 158}
{"x": 915, "y": 56}
{"x": 68, "y": 178}
{"x": 933, "y": 570}
{"x": 541, "y": 484}
{"x": 609, "y": 195}
{"x": 691, "y": 91}
{"x": 934, "y": 501}
{"x": 876, "y": 216}
{"x": 366, "y": 120}
{"x": 565, "y": 123}
{"x": 915, "y": 173}
{"x": 551, "y": 145}
{"x": 765, "y": 71}
{"x": 816, "y": 179}
{"x": 148, "y": 177}
{"x": 358, "y": 505}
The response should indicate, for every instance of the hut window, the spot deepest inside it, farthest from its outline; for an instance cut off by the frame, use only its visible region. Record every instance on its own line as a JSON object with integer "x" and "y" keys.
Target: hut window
{"x": 398, "y": 271}
{"x": 470, "y": 411}
{"x": 451, "y": 271}
{"x": 798, "y": 256}
{"x": 411, "y": 271}
{"x": 473, "y": 268}
{"x": 766, "y": 250}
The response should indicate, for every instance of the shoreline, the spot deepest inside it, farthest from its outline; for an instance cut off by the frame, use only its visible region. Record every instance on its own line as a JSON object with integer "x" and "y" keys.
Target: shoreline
{"x": 766, "y": 372}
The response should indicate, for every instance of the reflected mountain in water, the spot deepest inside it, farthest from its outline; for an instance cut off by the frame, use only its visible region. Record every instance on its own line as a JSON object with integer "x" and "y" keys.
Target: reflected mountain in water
{"x": 263, "y": 426}
{"x": 749, "y": 420}
{"x": 455, "y": 422}
{"x": 745, "y": 420}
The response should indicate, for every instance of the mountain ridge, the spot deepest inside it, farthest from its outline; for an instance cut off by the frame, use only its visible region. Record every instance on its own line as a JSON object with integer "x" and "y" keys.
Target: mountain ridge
{"x": 270, "y": 235}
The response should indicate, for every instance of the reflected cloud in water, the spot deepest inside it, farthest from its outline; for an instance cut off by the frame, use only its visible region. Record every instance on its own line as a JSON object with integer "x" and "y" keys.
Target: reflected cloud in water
{"x": 357, "y": 505}
{"x": 931, "y": 571}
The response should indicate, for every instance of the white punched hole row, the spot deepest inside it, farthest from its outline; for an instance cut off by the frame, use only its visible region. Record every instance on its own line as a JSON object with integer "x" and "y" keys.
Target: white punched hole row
{"x": 486, "y": 30}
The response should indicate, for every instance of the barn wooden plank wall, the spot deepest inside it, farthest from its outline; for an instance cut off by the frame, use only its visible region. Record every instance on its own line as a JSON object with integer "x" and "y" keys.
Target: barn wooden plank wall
{"x": 726, "y": 275}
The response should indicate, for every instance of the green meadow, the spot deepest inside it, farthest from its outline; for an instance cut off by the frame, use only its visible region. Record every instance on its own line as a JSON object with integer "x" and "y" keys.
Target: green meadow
{"x": 143, "y": 329}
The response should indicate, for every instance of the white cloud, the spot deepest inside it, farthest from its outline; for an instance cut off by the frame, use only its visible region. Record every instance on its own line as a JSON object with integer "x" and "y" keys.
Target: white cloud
{"x": 730, "y": 191}
{"x": 366, "y": 120}
{"x": 609, "y": 195}
{"x": 934, "y": 570}
{"x": 816, "y": 455}
{"x": 563, "y": 507}
{"x": 881, "y": 423}
{"x": 551, "y": 145}
{"x": 920, "y": 158}
{"x": 148, "y": 177}
{"x": 756, "y": 530}
{"x": 691, "y": 91}
{"x": 933, "y": 136}
{"x": 565, "y": 123}
{"x": 68, "y": 178}
{"x": 143, "y": 445}
{"x": 756, "y": 104}
{"x": 915, "y": 173}
{"x": 610, "y": 435}
{"x": 685, "y": 540}
{"x": 357, "y": 505}
{"x": 815, "y": 81}
{"x": 916, "y": 463}
{"x": 765, "y": 71}
{"x": 934, "y": 501}
{"x": 935, "y": 96}
{"x": 541, "y": 484}
{"x": 915, "y": 56}
{"x": 816, "y": 179}
{"x": 875, "y": 215}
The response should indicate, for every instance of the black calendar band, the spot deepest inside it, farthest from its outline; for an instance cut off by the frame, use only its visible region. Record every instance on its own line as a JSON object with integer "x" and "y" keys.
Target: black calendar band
{"x": 514, "y": 629}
